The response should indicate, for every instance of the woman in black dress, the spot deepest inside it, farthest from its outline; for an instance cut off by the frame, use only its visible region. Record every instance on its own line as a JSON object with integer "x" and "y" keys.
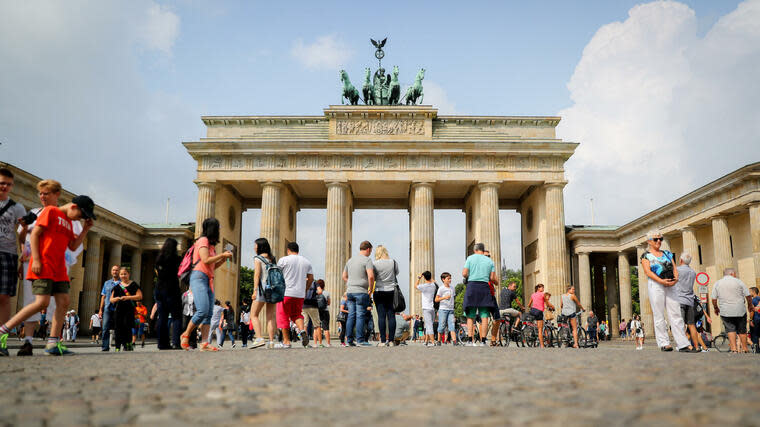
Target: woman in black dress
{"x": 168, "y": 296}
{"x": 125, "y": 296}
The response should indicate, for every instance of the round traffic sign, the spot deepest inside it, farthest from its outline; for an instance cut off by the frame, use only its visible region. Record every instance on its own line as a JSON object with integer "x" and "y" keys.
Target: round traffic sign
{"x": 703, "y": 278}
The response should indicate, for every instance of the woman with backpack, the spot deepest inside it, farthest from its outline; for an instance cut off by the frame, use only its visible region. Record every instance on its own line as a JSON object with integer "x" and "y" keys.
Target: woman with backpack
{"x": 204, "y": 262}
{"x": 261, "y": 264}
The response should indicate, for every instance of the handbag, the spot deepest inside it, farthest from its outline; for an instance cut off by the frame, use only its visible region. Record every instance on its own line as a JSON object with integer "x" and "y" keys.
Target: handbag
{"x": 399, "y": 303}
{"x": 698, "y": 309}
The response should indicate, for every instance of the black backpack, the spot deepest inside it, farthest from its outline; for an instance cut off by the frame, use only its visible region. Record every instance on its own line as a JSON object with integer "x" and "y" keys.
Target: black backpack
{"x": 438, "y": 303}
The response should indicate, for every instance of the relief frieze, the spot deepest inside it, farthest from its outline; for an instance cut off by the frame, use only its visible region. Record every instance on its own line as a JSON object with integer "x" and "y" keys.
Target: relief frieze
{"x": 380, "y": 127}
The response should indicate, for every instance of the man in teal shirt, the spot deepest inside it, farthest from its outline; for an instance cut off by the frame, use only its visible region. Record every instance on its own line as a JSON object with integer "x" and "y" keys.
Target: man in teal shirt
{"x": 478, "y": 301}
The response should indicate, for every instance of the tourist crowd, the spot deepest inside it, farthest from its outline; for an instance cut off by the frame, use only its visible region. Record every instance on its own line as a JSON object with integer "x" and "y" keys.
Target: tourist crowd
{"x": 296, "y": 306}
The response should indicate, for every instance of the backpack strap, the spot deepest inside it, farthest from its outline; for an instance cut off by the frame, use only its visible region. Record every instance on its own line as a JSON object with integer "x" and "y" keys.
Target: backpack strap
{"x": 7, "y": 206}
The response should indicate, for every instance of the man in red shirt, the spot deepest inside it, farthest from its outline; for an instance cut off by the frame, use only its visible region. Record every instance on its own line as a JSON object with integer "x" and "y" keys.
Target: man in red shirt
{"x": 47, "y": 269}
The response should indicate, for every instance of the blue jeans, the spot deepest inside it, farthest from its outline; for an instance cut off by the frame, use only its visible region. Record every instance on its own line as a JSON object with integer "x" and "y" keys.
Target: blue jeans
{"x": 203, "y": 297}
{"x": 446, "y": 318}
{"x": 357, "y": 304}
{"x": 107, "y": 326}
{"x": 227, "y": 333}
{"x": 386, "y": 318}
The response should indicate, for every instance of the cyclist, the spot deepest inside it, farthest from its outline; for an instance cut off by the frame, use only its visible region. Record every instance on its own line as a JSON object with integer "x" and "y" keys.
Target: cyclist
{"x": 505, "y": 304}
{"x": 570, "y": 306}
{"x": 538, "y": 301}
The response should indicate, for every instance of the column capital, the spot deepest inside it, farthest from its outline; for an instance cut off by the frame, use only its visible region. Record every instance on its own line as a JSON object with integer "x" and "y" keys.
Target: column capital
{"x": 93, "y": 236}
{"x": 587, "y": 253}
{"x": 690, "y": 227}
{"x": 754, "y": 203}
{"x": 622, "y": 254}
{"x": 208, "y": 184}
{"x": 718, "y": 216}
{"x": 273, "y": 183}
{"x": 423, "y": 184}
{"x": 560, "y": 184}
{"x": 488, "y": 184}
{"x": 336, "y": 183}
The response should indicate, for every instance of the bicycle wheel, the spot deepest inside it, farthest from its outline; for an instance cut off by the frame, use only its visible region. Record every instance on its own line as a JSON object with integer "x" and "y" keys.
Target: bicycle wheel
{"x": 565, "y": 337}
{"x": 581, "y": 338}
{"x": 548, "y": 336}
{"x": 504, "y": 334}
{"x": 721, "y": 343}
{"x": 530, "y": 336}
{"x": 462, "y": 334}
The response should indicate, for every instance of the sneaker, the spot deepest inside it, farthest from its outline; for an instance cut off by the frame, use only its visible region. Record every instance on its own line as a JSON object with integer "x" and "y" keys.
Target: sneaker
{"x": 244, "y": 346}
{"x": 4, "y": 345}
{"x": 280, "y": 345}
{"x": 258, "y": 342}
{"x": 639, "y": 348}
{"x": 365, "y": 344}
{"x": 326, "y": 345}
{"x": 704, "y": 350}
{"x": 304, "y": 338}
{"x": 57, "y": 349}
{"x": 470, "y": 344}
{"x": 666, "y": 348}
{"x": 25, "y": 350}
{"x": 342, "y": 344}
{"x": 105, "y": 349}
{"x": 352, "y": 344}
{"x": 381, "y": 344}
{"x": 233, "y": 345}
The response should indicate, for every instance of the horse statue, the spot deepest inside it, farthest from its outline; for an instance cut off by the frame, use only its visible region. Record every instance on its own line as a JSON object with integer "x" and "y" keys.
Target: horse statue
{"x": 349, "y": 91}
{"x": 395, "y": 95}
{"x": 368, "y": 90}
{"x": 415, "y": 91}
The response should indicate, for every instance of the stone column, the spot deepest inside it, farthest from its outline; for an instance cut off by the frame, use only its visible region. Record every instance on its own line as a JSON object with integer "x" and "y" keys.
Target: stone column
{"x": 599, "y": 306}
{"x": 646, "y": 309}
{"x": 690, "y": 245}
{"x": 557, "y": 274}
{"x": 206, "y": 207}
{"x": 721, "y": 246}
{"x": 338, "y": 238}
{"x": 92, "y": 284}
{"x": 584, "y": 282}
{"x": 422, "y": 243}
{"x": 270, "y": 214}
{"x": 754, "y": 229}
{"x": 490, "y": 233}
{"x": 613, "y": 306}
{"x": 115, "y": 257}
{"x": 136, "y": 264}
{"x": 624, "y": 277}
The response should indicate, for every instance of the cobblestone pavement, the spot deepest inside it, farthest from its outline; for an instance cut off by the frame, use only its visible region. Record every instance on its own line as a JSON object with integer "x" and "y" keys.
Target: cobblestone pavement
{"x": 408, "y": 385}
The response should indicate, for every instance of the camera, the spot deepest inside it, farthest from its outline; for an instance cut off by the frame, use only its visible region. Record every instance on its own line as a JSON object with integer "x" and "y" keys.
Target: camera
{"x": 29, "y": 218}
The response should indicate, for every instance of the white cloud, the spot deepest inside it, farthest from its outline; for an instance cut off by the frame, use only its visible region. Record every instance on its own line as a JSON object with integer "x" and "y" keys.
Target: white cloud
{"x": 160, "y": 28}
{"x": 436, "y": 96}
{"x": 75, "y": 106}
{"x": 327, "y": 52}
{"x": 659, "y": 110}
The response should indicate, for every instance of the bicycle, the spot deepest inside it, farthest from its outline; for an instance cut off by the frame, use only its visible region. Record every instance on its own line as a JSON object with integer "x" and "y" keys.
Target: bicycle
{"x": 565, "y": 334}
{"x": 508, "y": 332}
{"x": 529, "y": 331}
{"x": 720, "y": 342}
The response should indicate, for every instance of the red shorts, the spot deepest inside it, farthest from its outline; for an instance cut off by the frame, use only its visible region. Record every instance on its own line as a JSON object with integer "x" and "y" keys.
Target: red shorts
{"x": 289, "y": 309}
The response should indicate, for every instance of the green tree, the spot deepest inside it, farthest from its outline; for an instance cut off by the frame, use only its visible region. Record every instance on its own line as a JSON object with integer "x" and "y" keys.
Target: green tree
{"x": 635, "y": 290}
{"x": 459, "y": 300}
{"x": 246, "y": 283}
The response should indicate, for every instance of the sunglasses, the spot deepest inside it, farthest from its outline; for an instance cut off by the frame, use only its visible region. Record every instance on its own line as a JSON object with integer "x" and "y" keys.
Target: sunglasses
{"x": 657, "y": 239}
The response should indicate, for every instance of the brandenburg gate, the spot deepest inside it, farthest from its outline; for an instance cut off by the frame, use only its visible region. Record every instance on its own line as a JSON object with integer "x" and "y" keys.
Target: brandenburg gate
{"x": 387, "y": 157}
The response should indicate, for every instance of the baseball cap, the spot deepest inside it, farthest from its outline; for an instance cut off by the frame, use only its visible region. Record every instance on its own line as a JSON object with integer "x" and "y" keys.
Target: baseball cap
{"x": 86, "y": 205}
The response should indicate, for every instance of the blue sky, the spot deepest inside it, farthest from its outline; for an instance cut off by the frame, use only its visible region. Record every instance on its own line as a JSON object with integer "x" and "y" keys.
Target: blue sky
{"x": 100, "y": 95}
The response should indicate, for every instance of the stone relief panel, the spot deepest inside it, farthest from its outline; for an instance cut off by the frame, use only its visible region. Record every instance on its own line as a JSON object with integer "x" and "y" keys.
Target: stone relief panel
{"x": 455, "y": 162}
{"x": 380, "y": 127}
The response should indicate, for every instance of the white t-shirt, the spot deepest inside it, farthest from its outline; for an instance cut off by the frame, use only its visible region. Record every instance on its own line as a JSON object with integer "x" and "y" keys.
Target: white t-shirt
{"x": 446, "y": 304}
{"x": 294, "y": 270}
{"x": 428, "y": 293}
{"x": 95, "y": 321}
{"x": 731, "y": 294}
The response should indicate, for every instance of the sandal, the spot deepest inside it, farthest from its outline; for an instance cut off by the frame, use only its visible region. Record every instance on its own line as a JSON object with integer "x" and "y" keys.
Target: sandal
{"x": 184, "y": 342}
{"x": 206, "y": 347}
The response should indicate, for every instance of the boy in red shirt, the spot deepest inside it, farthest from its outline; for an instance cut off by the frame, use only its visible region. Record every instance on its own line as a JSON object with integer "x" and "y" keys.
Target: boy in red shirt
{"x": 47, "y": 269}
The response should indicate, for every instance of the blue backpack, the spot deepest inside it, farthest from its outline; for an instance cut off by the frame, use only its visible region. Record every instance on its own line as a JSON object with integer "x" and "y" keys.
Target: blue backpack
{"x": 274, "y": 288}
